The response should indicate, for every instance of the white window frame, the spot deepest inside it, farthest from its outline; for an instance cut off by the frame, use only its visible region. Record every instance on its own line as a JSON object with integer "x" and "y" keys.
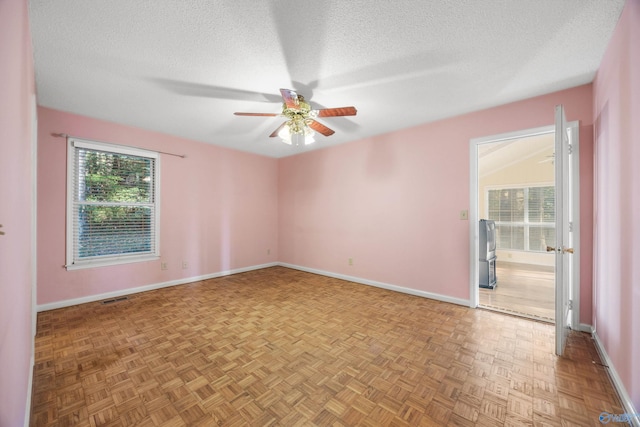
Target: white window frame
{"x": 525, "y": 224}
{"x": 71, "y": 264}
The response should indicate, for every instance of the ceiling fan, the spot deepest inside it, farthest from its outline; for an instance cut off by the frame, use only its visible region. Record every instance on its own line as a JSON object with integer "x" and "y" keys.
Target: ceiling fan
{"x": 301, "y": 124}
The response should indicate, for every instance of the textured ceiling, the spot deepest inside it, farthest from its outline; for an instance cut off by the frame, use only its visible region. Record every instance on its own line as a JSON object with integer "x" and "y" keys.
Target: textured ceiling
{"x": 184, "y": 67}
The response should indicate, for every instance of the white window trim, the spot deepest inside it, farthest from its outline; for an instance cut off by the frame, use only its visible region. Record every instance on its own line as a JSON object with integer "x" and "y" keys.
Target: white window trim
{"x": 525, "y": 224}
{"x": 72, "y": 143}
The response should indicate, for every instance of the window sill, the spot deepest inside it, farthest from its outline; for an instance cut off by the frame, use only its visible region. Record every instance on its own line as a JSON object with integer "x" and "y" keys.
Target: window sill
{"x": 112, "y": 261}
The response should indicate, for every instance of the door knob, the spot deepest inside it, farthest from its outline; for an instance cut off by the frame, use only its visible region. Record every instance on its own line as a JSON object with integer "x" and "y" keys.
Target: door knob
{"x": 567, "y": 250}
{"x": 551, "y": 249}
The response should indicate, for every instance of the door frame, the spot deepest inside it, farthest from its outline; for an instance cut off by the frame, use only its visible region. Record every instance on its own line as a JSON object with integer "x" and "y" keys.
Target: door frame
{"x": 474, "y": 291}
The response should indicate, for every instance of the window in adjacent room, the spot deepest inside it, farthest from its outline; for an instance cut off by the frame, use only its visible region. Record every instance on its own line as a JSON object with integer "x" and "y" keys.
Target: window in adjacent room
{"x": 525, "y": 217}
{"x": 112, "y": 204}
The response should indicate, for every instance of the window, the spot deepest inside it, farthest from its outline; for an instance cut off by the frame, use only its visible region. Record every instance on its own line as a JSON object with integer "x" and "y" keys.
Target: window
{"x": 112, "y": 204}
{"x": 525, "y": 217}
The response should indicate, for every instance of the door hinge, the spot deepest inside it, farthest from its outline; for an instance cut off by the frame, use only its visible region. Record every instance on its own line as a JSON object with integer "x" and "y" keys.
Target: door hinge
{"x": 570, "y": 149}
{"x": 570, "y": 226}
{"x": 570, "y": 304}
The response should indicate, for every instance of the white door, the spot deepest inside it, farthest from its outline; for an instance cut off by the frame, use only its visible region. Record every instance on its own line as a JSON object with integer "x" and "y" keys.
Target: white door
{"x": 566, "y": 161}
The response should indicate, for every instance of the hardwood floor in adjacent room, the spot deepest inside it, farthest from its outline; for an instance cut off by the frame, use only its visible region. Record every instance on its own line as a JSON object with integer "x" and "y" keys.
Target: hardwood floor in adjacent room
{"x": 523, "y": 290}
{"x": 283, "y": 347}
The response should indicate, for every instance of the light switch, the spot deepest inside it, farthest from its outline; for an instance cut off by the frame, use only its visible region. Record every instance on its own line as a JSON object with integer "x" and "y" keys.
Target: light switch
{"x": 464, "y": 214}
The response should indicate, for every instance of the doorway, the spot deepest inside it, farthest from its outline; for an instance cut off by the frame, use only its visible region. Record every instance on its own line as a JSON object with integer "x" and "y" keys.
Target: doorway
{"x": 566, "y": 247}
{"x": 516, "y": 190}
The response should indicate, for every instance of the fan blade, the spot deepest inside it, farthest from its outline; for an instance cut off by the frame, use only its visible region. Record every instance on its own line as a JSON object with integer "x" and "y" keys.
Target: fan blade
{"x": 335, "y": 112}
{"x": 290, "y": 98}
{"x": 275, "y": 132}
{"x": 319, "y": 127}
{"x": 257, "y": 114}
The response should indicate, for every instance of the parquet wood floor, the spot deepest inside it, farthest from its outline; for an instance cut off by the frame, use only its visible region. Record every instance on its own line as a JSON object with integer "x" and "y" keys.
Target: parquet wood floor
{"x": 525, "y": 290}
{"x": 280, "y": 347}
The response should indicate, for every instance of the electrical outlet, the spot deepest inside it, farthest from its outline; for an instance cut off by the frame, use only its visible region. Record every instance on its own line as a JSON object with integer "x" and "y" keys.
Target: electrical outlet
{"x": 464, "y": 214}
{"x": 185, "y": 265}
{"x": 163, "y": 265}
{"x": 350, "y": 261}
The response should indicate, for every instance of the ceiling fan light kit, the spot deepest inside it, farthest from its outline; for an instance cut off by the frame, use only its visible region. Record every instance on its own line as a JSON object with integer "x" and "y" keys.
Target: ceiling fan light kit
{"x": 292, "y": 134}
{"x": 301, "y": 126}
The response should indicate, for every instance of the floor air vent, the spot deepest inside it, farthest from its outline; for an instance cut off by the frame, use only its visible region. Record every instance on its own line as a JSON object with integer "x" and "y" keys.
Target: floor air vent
{"x": 113, "y": 300}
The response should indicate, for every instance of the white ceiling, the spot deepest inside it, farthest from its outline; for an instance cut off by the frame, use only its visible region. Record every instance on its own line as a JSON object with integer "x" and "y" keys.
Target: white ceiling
{"x": 495, "y": 156}
{"x": 183, "y": 67}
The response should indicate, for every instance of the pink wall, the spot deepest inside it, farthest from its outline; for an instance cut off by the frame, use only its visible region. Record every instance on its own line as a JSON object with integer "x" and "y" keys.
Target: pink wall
{"x": 374, "y": 200}
{"x": 218, "y": 210}
{"x": 617, "y": 186}
{"x": 392, "y": 202}
{"x": 16, "y": 91}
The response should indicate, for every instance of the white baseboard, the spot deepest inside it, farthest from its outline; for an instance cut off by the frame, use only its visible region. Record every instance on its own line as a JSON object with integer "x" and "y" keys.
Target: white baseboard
{"x": 617, "y": 382}
{"x": 424, "y": 294}
{"x": 583, "y": 327}
{"x": 27, "y": 409}
{"x": 130, "y": 291}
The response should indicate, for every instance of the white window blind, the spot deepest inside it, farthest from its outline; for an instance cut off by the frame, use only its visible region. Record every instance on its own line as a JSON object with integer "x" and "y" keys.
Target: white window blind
{"x": 112, "y": 209}
{"x": 524, "y": 216}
